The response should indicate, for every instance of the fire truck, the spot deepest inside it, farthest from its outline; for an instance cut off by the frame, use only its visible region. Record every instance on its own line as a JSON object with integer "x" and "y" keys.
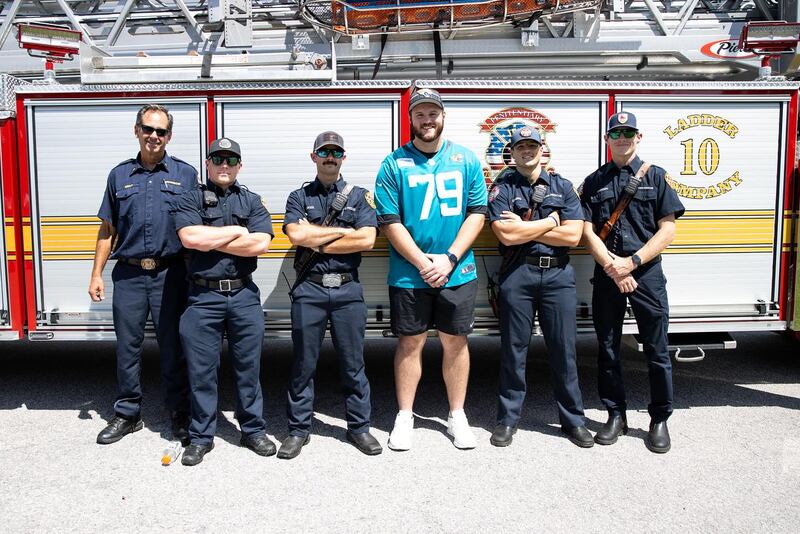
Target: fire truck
{"x": 273, "y": 74}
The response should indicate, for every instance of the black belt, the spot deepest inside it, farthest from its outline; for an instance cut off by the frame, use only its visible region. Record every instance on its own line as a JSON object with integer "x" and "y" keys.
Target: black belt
{"x": 150, "y": 264}
{"x": 547, "y": 262}
{"x": 222, "y": 285}
{"x": 331, "y": 279}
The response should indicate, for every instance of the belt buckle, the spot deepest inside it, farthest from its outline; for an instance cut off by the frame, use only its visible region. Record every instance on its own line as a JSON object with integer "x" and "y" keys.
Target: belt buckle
{"x": 332, "y": 280}
{"x": 148, "y": 264}
{"x": 225, "y": 285}
{"x": 544, "y": 264}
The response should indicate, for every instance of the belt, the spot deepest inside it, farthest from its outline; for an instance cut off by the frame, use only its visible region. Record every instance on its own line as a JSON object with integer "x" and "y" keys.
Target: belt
{"x": 331, "y": 279}
{"x": 222, "y": 285}
{"x": 150, "y": 264}
{"x": 547, "y": 262}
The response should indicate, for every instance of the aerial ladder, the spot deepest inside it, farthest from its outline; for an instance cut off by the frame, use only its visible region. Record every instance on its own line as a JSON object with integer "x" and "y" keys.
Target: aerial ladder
{"x": 239, "y": 40}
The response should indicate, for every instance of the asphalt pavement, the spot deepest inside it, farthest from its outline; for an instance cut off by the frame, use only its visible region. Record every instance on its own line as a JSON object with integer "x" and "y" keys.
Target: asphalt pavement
{"x": 734, "y": 464}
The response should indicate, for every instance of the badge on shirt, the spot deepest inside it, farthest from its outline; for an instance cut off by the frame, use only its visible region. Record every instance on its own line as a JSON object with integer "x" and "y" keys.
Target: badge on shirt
{"x": 369, "y": 199}
{"x": 493, "y": 193}
{"x": 457, "y": 158}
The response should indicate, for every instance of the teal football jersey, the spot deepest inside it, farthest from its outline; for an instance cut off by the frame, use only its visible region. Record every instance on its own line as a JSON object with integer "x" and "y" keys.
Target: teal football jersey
{"x": 431, "y": 197}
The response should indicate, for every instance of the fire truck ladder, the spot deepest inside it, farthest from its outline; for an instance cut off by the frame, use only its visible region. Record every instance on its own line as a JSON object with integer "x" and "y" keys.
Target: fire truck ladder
{"x": 232, "y": 40}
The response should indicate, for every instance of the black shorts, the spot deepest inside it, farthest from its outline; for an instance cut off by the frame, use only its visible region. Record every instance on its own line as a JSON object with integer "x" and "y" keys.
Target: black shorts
{"x": 448, "y": 309}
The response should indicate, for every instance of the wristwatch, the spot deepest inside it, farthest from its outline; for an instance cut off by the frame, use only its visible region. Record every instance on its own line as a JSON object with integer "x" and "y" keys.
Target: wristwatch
{"x": 452, "y": 257}
{"x": 637, "y": 261}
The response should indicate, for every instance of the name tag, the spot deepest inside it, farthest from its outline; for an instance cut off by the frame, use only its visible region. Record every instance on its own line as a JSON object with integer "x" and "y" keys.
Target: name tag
{"x": 172, "y": 182}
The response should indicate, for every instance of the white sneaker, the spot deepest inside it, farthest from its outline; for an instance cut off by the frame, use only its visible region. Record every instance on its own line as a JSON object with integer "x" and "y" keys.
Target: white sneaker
{"x": 403, "y": 431}
{"x": 458, "y": 427}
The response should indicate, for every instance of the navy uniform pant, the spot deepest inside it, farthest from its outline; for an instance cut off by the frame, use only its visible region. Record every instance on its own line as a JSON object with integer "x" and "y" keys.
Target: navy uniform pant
{"x": 160, "y": 293}
{"x": 651, "y": 310}
{"x": 525, "y": 292}
{"x": 313, "y": 306}
{"x": 209, "y": 315}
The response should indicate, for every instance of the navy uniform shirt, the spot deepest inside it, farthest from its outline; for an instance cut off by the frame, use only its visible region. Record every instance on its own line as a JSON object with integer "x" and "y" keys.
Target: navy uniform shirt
{"x": 515, "y": 193}
{"x": 137, "y": 203}
{"x": 312, "y": 202}
{"x": 653, "y": 201}
{"x": 236, "y": 206}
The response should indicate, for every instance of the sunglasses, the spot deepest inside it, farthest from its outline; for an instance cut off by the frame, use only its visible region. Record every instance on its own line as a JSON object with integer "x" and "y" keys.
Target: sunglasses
{"x": 325, "y": 152}
{"x": 148, "y": 130}
{"x": 232, "y": 161}
{"x": 615, "y": 134}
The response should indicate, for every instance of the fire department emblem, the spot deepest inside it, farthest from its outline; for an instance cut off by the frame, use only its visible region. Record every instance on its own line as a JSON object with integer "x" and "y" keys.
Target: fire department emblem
{"x": 622, "y": 118}
{"x": 224, "y": 143}
{"x": 525, "y": 132}
{"x": 501, "y": 126}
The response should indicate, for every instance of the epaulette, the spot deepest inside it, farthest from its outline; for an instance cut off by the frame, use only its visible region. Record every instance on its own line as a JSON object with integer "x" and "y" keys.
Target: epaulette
{"x": 179, "y": 160}
{"x": 126, "y": 162}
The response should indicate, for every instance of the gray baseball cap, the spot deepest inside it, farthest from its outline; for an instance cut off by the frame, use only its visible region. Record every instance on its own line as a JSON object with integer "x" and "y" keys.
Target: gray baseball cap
{"x": 425, "y": 96}
{"x": 223, "y": 144}
{"x": 328, "y": 138}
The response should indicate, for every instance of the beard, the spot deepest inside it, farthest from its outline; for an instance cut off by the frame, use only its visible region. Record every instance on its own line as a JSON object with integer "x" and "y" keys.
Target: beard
{"x": 425, "y": 134}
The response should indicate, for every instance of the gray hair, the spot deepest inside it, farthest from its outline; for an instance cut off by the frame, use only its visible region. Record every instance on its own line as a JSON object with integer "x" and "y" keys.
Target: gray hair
{"x": 148, "y": 108}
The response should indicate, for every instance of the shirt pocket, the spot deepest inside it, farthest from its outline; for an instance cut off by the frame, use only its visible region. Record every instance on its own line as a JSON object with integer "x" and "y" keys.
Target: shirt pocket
{"x": 644, "y": 203}
{"x": 551, "y": 204}
{"x": 126, "y": 200}
{"x": 170, "y": 191}
{"x": 212, "y": 216}
{"x": 241, "y": 217}
{"x": 520, "y": 206}
{"x": 602, "y": 204}
{"x": 347, "y": 218}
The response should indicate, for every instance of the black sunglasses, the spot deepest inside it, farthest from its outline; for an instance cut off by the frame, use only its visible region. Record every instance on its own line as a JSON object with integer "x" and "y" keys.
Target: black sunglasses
{"x": 232, "y": 161}
{"x": 325, "y": 152}
{"x": 615, "y": 134}
{"x": 161, "y": 132}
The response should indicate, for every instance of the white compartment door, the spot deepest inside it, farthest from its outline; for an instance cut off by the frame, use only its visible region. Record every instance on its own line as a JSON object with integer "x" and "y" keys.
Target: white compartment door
{"x": 276, "y": 137}
{"x": 73, "y": 146}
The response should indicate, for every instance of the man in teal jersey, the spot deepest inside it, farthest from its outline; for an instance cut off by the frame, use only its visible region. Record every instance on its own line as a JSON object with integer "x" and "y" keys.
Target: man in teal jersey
{"x": 431, "y": 201}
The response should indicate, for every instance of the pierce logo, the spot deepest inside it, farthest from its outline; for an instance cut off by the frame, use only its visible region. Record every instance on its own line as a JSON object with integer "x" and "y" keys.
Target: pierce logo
{"x": 725, "y": 49}
{"x": 501, "y": 126}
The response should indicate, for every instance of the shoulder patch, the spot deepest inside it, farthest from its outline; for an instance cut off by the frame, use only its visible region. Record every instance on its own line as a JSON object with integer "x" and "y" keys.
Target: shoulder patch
{"x": 369, "y": 199}
{"x": 494, "y": 192}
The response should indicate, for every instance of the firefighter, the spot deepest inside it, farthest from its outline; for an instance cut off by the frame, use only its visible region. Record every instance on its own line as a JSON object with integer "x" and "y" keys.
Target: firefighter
{"x": 628, "y": 268}
{"x": 431, "y": 200}
{"x": 226, "y": 227}
{"x": 537, "y": 216}
{"x": 328, "y": 289}
{"x": 149, "y": 274}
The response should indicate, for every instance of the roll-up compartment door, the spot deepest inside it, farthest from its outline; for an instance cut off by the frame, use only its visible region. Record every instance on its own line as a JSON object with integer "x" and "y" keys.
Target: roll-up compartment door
{"x": 276, "y": 139}
{"x": 725, "y": 158}
{"x": 72, "y": 148}
{"x": 571, "y": 132}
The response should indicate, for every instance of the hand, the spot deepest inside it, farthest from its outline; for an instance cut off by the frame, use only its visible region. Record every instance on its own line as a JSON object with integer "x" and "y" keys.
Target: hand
{"x": 509, "y": 216}
{"x": 303, "y": 221}
{"x": 438, "y": 272}
{"x": 619, "y": 267}
{"x": 626, "y": 284}
{"x": 557, "y": 217}
{"x": 97, "y": 290}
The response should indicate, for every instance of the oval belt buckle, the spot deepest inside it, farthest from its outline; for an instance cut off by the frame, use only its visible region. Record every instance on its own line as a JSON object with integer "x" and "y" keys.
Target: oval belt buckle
{"x": 331, "y": 280}
{"x": 148, "y": 264}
